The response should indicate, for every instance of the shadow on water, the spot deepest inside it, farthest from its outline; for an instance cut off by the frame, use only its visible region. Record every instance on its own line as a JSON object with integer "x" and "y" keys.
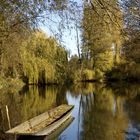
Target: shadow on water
{"x": 102, "y": 112}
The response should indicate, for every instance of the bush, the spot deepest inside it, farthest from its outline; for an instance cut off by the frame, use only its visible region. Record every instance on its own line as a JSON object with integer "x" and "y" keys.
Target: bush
{"x": 125, "y": 71}
{"x": 88, "y": 75}
{"x": 11, "y": 83}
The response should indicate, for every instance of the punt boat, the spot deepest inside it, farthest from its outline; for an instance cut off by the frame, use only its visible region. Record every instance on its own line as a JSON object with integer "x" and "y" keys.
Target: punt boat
{"x": 53, "y": 136}
{"x": 45, "y": 123}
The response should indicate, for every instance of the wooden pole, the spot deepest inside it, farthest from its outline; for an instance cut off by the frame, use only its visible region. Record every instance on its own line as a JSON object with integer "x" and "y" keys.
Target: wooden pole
{"x": 8, "y": 118}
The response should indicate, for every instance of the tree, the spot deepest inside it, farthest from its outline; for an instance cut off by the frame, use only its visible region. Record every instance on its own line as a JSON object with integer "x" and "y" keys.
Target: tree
{"x": 18, "y": 19}
{"x": 43, "y": 59}
{"x": 99, "y": 35}
{"x": 131, "y": 46}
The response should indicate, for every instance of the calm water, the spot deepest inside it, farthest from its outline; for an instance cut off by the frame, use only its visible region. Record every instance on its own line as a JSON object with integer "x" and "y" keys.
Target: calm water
{"x": 101, "y": 112}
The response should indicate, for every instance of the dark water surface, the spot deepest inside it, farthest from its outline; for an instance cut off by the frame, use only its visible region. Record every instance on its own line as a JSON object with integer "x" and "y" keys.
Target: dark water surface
{"x": 101, "y": 112}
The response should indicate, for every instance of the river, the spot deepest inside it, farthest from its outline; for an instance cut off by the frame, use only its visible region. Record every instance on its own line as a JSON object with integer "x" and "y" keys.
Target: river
{"x": 101, "y": 112}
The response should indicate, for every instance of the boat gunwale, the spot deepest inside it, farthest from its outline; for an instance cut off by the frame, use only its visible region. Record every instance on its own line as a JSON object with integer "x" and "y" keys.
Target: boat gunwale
{"x": 62, "y": 116}
{"x": 65, "y": 118}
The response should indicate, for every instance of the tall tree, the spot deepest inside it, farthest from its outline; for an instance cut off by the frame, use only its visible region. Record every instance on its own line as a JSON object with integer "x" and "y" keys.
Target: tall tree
{"x": 131, "y": 47}
{"x": 101, "y": 30}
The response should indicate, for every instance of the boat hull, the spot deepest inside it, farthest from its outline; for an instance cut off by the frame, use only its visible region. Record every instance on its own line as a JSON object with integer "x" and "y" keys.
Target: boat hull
{"x": 54, "y": 135}
{"x": 49, "y": 129}
{"x": 45, "y": 123}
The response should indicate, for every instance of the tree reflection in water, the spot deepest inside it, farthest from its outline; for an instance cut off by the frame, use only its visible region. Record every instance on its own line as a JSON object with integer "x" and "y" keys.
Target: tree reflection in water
{"x": 27, "y": 104}
{"x": 104, "y": 117}
{"x": 105, "y": 111}
{"x": 101, "y": 112}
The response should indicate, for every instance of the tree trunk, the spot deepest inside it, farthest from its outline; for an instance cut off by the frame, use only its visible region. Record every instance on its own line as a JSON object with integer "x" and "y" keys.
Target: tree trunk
{"x": 117, "y": 53}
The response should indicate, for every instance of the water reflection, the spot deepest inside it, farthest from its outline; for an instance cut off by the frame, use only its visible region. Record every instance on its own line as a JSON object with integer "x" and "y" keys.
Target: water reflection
{"x": 26, "y": 104}
{"x": 104, "y": 116}
{"x": 102, "y": 112}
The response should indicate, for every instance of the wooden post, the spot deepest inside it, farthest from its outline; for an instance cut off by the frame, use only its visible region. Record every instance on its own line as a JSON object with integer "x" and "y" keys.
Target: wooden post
{"x": 8, "y": 118}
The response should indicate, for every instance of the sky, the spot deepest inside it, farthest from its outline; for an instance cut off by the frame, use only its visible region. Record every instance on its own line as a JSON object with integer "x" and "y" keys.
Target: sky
{"x": 69, "y": 39}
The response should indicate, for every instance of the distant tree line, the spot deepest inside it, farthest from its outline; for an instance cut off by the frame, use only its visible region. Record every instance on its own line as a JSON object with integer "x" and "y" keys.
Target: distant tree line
{"x": 110, "y": 34}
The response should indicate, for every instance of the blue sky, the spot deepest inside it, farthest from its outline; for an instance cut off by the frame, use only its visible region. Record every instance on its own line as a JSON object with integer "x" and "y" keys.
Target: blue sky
{"x": 68, "y": 39}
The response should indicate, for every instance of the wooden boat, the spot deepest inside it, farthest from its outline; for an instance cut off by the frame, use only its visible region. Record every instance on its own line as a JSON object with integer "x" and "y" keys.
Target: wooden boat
{"x": 57, "y": 132}
{"x": 45, "y": 123}
{"x": 54, "y": 135}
